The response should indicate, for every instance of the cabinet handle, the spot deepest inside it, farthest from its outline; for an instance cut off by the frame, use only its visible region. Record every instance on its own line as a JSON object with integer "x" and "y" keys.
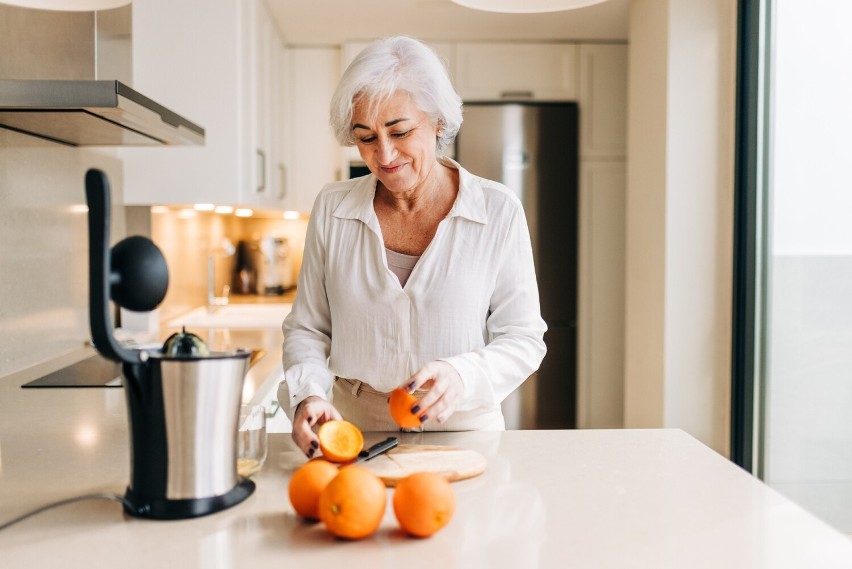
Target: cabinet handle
{"x": 282, "y": 191}
{"x": 261, "y": 163}
{"x": 516, "y": 94}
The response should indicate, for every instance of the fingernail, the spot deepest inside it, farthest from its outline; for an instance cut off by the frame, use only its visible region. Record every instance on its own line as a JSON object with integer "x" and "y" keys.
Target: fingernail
{"x": 411, "y": 385}
{"x": 314, "y": 444}
{"x": 424, "y": 418}
{"x": 310, "y": 452}
{"x": 310, "y": 419}
{"x": 415, "y": 409}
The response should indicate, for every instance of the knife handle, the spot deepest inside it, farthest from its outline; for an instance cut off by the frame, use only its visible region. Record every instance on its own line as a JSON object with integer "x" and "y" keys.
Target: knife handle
{"x": 378, "y": 448}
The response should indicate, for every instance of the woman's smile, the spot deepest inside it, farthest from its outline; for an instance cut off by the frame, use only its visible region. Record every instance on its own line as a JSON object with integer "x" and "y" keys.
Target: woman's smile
{"x": 397, "y": 142}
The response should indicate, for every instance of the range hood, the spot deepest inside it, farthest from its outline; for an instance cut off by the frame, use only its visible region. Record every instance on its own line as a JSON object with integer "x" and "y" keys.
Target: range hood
{"x": 91, "y": 113}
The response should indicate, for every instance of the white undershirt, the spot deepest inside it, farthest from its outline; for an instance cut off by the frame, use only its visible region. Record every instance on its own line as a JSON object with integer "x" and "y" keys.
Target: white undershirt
{"x": 401, "y": 265}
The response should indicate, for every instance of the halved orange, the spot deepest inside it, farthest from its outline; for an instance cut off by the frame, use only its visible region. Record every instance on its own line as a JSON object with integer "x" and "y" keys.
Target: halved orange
{"x": 400, "y": 404}
{"x": 339, "y": 440}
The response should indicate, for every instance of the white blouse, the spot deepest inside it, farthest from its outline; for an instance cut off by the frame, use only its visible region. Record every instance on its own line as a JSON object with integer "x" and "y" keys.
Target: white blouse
{"x": 471, "y": 300}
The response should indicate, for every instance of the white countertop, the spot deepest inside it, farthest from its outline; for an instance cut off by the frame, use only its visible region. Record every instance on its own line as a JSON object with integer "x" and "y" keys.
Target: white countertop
{"x": 620, "y": 498}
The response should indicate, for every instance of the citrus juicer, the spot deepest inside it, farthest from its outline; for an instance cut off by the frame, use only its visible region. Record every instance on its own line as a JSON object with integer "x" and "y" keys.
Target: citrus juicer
{"x": 183, "y": 401}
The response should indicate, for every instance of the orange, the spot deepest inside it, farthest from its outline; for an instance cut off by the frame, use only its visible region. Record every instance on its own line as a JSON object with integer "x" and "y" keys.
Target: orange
{"x": 400, "y": 403}
{"x": 340, "y": 441}
{"x": 352, "y": 505}
{"x": 423, "y": 502}
{"x": 306, "y": 485}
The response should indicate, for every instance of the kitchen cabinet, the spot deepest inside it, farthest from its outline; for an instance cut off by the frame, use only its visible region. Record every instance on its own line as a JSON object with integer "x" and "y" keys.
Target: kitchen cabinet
{"x": 535, "y": 71}
{"x": 603, "y": 101}
{"x": 600, "y": 325}
{"x": 313, "y": 151}
{"x": 263, "y": 179}
{"x": 219, "y": 66}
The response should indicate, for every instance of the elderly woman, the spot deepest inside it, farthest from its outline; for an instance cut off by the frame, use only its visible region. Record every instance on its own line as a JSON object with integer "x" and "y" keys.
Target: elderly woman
{"x": 419, "y": 275}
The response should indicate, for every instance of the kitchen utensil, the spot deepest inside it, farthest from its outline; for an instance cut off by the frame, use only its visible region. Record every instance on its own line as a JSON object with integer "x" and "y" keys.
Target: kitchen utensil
{"x": 183, "y": 402}
{"x": 450, "y": 462}
{"x": 377, "y": 449}
{"x": 271, "y": 260}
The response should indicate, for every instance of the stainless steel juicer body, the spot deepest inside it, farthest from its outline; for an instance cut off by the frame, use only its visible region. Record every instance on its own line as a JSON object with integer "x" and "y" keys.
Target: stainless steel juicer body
{"x": 183, "y": 434}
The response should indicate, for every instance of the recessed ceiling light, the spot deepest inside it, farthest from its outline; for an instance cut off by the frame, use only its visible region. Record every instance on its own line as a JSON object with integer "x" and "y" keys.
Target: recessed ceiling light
{"x": 289, "y": 214}
{"x": 526, "y": 6}
{"x": 243, "y": 212}
{"x": 224, "y": 209}
{"x": 204, "y": 206}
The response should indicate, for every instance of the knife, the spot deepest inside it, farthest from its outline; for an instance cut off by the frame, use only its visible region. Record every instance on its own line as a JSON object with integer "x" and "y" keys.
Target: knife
{"x": 377, "y": 449}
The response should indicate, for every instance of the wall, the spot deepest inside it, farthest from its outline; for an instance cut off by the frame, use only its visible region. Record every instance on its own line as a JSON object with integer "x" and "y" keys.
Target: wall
{"x": 188, "y": 238}
{"x": 44, "y": 247}
{"x": 43, "y": 225}
{"x": 679, "y": 216}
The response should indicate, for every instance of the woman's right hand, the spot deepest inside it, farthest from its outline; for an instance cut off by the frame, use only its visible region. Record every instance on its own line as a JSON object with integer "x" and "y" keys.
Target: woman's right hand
{"x": 312, "y": 411}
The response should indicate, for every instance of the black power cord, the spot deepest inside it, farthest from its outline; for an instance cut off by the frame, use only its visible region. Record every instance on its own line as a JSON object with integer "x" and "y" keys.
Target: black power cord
{"x": 96, "y": 496}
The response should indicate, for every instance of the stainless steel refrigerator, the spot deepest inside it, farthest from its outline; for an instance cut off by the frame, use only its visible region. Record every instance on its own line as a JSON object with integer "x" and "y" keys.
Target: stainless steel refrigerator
{"x": 533, "y": 149}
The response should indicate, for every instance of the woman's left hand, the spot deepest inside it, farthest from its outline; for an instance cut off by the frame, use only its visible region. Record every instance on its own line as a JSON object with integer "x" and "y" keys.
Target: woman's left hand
{"x": 445, "y": 390}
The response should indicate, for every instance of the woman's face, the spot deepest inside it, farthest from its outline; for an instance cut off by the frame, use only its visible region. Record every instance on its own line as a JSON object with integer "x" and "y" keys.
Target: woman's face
{"x": 398, "y": 144}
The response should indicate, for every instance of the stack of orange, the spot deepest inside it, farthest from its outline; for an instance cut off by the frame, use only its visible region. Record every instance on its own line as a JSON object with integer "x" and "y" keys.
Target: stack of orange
{"x": 350, "y": 500}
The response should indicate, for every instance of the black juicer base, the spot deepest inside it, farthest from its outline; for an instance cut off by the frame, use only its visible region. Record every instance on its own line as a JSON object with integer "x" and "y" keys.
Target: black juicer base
{"x": 165, "y": 509}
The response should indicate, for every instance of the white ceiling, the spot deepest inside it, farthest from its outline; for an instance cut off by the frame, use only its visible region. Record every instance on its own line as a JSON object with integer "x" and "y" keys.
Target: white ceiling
{"x": 331, "y": 22}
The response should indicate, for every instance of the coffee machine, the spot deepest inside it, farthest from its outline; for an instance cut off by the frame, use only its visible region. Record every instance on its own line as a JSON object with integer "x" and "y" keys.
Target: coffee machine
{"x": 264, "y": 266}
{"x": 183, "y": 400}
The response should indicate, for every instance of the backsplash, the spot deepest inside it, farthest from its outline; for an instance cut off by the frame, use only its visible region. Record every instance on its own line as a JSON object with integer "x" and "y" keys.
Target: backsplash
{"x": 44, "y": 246}
{"x": 188, "y": 238}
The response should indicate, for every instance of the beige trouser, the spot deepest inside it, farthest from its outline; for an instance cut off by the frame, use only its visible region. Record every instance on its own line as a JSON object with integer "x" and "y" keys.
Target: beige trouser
{"x": 368, "y": 409}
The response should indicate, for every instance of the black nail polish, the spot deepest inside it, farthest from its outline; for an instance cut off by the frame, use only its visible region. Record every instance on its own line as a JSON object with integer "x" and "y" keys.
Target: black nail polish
{"x": 411, "y": 385}
{"x": 310, "y": 452}
{"x": 314, "y": 444}
{"x": 415, "y": 409}
{"x": 424, "y": 418}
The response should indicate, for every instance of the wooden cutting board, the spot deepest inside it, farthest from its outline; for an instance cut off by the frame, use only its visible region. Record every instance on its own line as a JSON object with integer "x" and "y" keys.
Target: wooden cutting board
{"x": 452, "y": 463}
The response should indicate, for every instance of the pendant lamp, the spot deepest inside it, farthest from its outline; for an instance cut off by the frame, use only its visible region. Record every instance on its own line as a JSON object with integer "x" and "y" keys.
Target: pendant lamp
{"x": 525, "y": 6}
{"x": 68, "y": 5}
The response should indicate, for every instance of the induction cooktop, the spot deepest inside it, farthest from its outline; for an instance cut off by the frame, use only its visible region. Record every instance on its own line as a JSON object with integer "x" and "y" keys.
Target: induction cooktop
{"x": 95, "y": 371}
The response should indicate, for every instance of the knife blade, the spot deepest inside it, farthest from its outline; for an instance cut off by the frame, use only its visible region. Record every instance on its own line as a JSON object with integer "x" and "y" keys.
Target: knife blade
{"x": 377, "y": 449}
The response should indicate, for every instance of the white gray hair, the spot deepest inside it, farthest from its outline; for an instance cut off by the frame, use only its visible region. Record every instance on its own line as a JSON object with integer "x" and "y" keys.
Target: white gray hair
{"x": 394, "y": 64}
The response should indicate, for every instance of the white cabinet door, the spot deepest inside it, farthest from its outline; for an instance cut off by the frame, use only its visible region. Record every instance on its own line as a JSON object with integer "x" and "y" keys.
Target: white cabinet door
{"x": 188, "y": 60}
{"x": 499, "y": 71}
{"x": 264, "y": 121}
{"x": 216, "y": 67}
{"x": 603, "y": 101}
{"x": 314, "y": 154}
{"x": 600, "y": 333}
